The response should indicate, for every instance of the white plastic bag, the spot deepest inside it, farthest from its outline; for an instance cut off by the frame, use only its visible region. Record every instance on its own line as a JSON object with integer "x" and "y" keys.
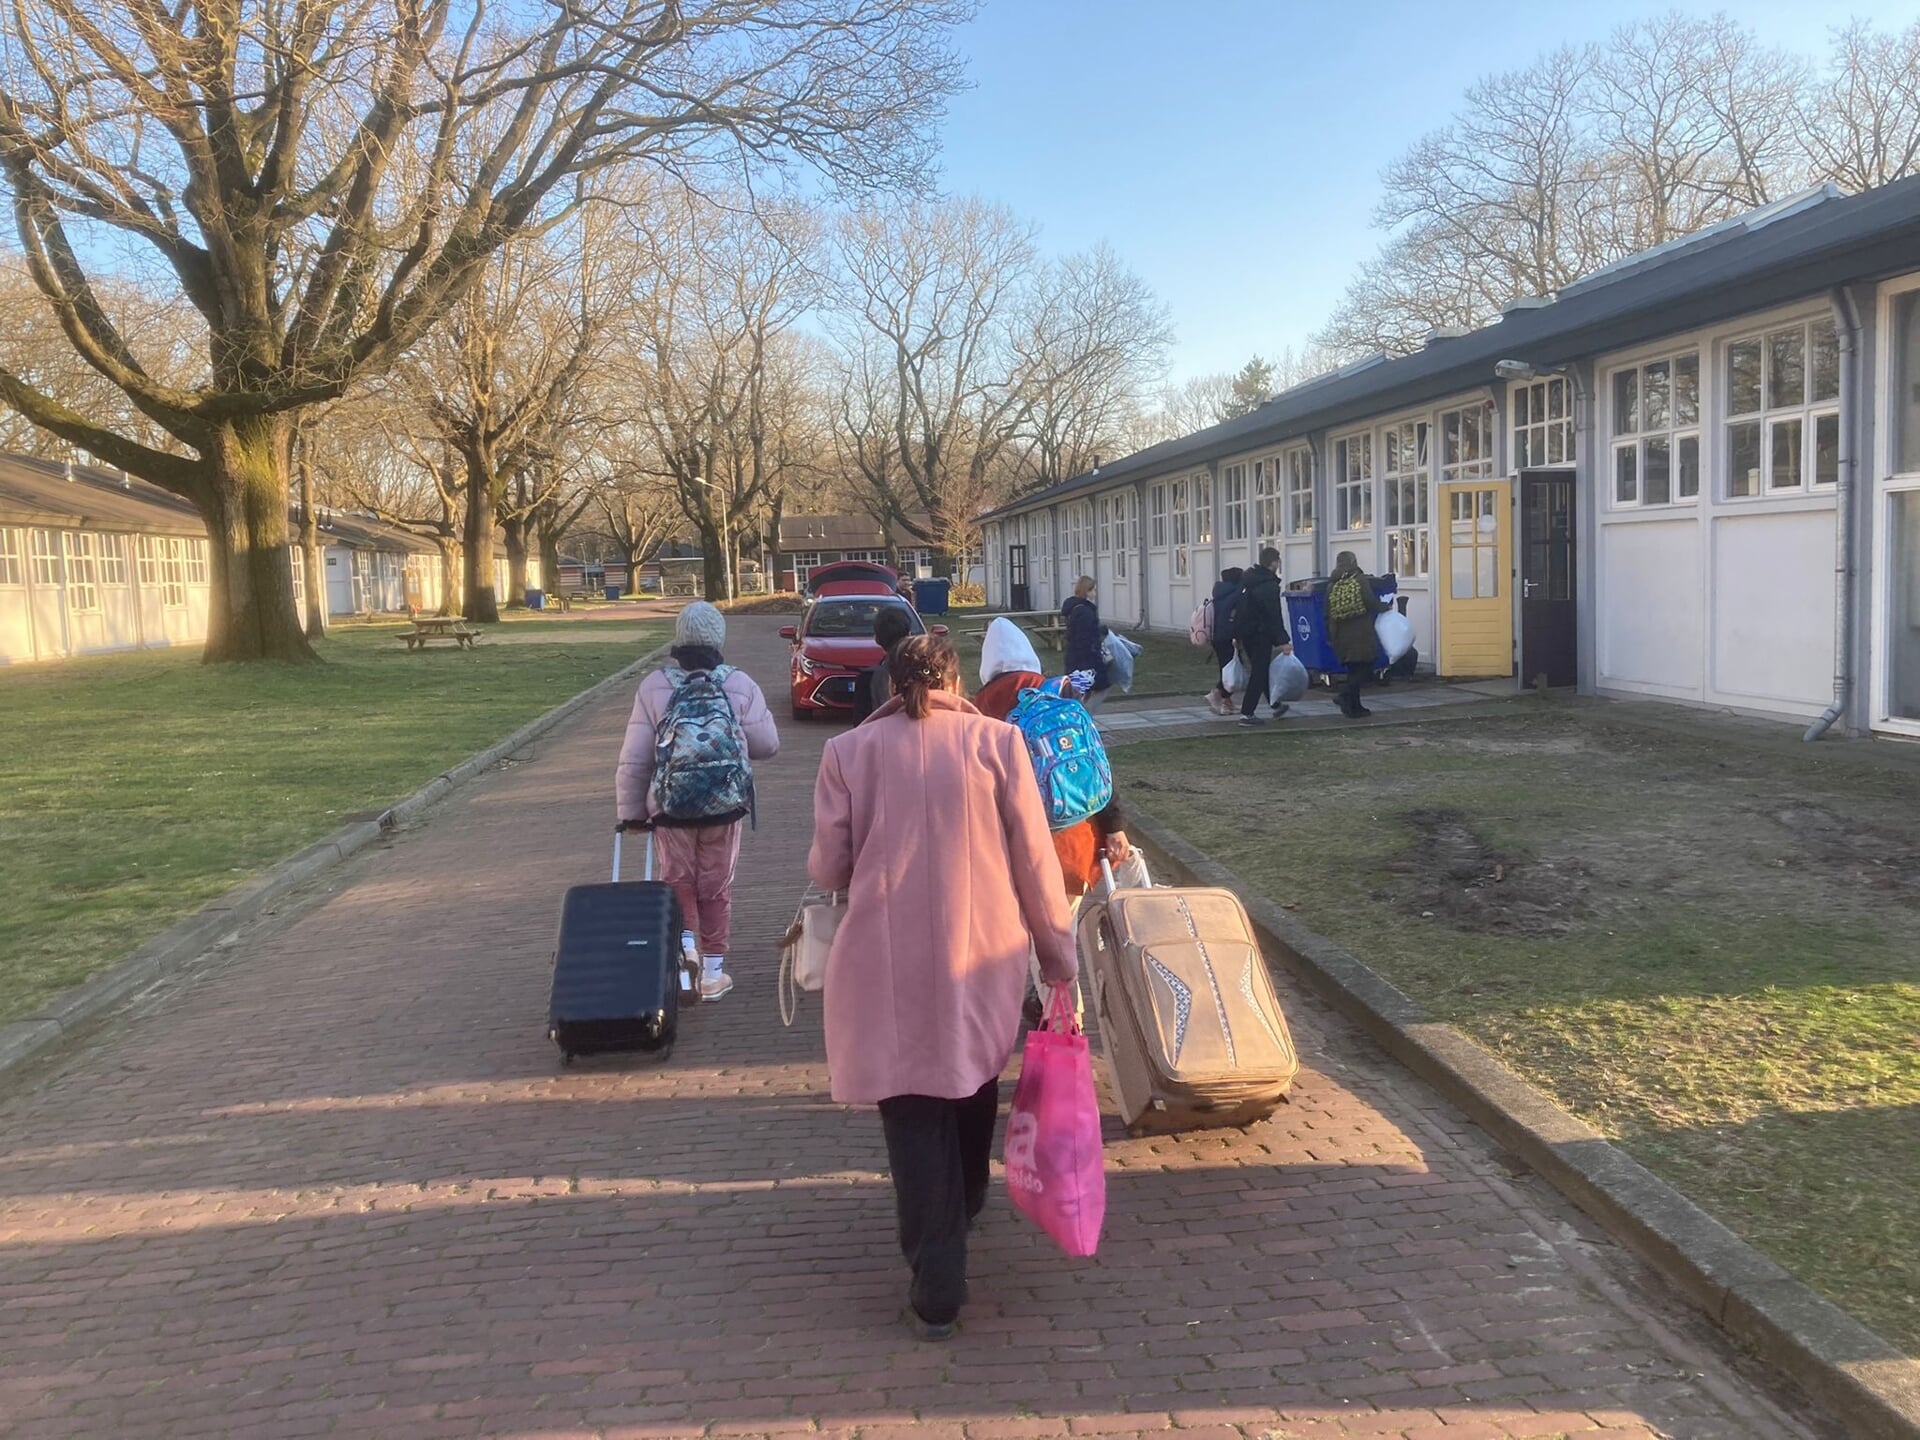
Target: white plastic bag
{"x": 1286, "y": 680}
{"x": 1120, "y": 653}
{"x": 1395, "y": 632}
{"x": 1233, "y": 675}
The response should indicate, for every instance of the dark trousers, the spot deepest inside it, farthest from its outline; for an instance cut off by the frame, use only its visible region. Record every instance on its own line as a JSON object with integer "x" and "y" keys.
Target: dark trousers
{"x": 938, "y": 1151}
{"x": 1259, "y": 661}
{"x": 1350, "y": 692}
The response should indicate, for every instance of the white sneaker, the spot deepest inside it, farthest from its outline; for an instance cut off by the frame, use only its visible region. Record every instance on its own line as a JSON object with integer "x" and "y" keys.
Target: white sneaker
{"x": 715, "y": 984}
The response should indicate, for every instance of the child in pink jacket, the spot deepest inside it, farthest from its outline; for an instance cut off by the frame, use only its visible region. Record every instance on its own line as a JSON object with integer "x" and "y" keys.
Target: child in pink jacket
{"x": 698, "y": 860}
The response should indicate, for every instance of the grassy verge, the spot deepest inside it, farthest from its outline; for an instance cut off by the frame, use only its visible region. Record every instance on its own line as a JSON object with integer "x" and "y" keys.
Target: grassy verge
{"x": 134, "y": 788}
{"x": 1704, "y": 947}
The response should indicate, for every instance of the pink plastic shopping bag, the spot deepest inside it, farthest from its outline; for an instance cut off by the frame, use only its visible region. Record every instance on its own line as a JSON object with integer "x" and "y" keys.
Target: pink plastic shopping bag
{"x": 1055, "y": 1171}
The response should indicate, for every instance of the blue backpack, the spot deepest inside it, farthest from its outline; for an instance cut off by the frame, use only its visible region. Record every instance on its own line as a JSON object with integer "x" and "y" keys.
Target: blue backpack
{"x": 1076, "y": 782}
{"x": 701, "y": 775}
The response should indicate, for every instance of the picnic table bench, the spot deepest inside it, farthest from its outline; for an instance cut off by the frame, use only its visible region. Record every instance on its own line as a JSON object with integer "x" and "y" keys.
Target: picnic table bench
{"x": 1047, "y": 626}
{"x": 439, "y": 627}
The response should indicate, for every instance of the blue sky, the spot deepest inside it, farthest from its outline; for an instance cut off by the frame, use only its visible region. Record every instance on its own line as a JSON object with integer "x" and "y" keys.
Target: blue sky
{"x": 1231, "y": 150}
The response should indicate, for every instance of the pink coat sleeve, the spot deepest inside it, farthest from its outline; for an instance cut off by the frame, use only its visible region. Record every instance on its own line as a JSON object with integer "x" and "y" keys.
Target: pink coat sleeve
{"x": 830, "y": 860}
{"x": 756, "y": 720}
{"x": 635, "y": 771}
{"x": 1036, "y": 864}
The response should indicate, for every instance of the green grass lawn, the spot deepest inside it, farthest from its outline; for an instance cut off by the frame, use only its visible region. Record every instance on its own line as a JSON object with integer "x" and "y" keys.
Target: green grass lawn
{"x": 133, "y": 788}
{"x": 1705, "y": 944}
{"x": 1167, "y": 664}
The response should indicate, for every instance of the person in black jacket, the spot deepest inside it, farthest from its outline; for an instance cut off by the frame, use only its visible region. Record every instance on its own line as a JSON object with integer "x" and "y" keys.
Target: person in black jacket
{"x": 890, "y": 626}
{"x": 1084, "y": 636}
{"x": 1260, "y": 626}
{"x": 1226, "y": 592}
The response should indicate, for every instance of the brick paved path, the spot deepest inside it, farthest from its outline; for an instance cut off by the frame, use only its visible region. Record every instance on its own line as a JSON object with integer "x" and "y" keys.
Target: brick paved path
{"x": 339, "y": 1186}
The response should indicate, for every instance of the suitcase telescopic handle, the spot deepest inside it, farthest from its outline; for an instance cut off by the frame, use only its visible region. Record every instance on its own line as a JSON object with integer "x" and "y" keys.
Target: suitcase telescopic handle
{"x": 620, "y": 830}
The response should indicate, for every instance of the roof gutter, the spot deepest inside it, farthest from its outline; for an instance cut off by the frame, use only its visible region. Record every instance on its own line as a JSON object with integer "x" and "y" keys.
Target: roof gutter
{"x": 1846, "y": 317}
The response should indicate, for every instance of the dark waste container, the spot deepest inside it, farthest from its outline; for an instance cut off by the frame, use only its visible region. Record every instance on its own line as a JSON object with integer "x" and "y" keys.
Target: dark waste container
{"x": 930, "y": 596}
{"x": 536, "y": 600}
{"x": 613, "y": 592}
{"x": 1312, "y": 636}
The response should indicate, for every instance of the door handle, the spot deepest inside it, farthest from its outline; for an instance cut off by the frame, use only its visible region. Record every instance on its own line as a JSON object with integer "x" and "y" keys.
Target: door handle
{"x": 1526, "y": 589}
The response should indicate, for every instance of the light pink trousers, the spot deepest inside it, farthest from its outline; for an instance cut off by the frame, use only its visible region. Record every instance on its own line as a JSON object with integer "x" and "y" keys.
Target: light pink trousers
{"x": 699, "y": 864}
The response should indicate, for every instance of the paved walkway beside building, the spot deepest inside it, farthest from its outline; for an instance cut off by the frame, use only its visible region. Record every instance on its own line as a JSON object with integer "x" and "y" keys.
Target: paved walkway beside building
{"x": 338, "y": 1184}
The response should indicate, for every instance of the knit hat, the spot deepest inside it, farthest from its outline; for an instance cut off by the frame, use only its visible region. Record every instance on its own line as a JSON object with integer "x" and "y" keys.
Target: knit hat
{"x": 700, "y": 624}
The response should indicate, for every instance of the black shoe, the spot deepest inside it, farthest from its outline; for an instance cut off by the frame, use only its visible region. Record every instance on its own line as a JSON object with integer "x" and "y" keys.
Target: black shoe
{"x": 925, "y": 1329}
{"x": 1358, "y": 712}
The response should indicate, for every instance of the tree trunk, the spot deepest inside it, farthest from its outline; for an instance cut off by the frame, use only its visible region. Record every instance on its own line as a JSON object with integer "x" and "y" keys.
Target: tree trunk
{"x": 550, "y": 558}
{"x": 313, "y": 574}
{"x": 514, "y": 530}
{"x": 250, "y": 612}
{"x": 477, "y": 592}
{"x": 449, "y": 574}
{"x": 713, "y": 563}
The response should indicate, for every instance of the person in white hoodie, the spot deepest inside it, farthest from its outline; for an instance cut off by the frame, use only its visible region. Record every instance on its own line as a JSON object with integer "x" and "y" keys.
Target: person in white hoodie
{"x": 697, "y": 858}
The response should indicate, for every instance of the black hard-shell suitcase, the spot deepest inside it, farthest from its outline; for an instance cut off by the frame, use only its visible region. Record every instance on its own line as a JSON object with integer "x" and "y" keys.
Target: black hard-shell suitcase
{"x": 617, "y": 966}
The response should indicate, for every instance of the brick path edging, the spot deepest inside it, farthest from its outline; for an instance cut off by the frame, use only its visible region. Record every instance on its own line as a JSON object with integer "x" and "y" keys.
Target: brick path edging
{"x": 218, "y": 921}
{"x": 1856, "y": 1374}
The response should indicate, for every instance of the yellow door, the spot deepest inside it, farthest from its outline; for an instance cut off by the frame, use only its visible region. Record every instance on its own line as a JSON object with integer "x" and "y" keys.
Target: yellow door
{"x": 1476, "y": 567}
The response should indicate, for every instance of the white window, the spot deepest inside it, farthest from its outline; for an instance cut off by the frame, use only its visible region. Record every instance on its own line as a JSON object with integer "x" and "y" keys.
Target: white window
{"x": 1655, "y": 420}
{"x": 46, "y": 558}
{"x": 1783, "y": 415}
{"x": 297, "y": 569}
{"x": 1127, "y": 521}
{"x": 1300, "y": 491}
{"x": 1542, "y": 423}
{"x": 83, "y": 571}
{"x": 1157, "y": 517}
{"x": 173, "y": 572}
{"x": 146, "y": 552}
{"x": 1466, "y": 443}
{"x": 1353, "y": 483}
{"x": 1403, "y": 485}
{"x": 1106, "y": 524}
{"x": 1233, "y": 503}
{"x": 1203, "y": 509}
{"x": 1181, "y": 561}
{"x": 113, "y": 560}
{"x": 1266, "y": 502}
{"x": 13, "y": 569}
{"x": 196, "y": 562}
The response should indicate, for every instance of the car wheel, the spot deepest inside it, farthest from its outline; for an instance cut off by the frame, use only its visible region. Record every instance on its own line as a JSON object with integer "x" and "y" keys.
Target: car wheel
{"x": 802, "y": 713}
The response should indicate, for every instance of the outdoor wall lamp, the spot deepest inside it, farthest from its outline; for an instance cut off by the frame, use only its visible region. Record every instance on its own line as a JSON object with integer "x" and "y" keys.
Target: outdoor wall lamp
{"x": 1521, "y": 370}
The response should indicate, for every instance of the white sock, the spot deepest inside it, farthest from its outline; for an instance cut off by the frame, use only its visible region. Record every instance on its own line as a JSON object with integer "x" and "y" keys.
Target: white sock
{"x": 713, "y": 964}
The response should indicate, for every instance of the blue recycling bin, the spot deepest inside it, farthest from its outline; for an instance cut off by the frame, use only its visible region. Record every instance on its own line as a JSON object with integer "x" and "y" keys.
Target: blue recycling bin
{"x": 1313, "y": 637}
{"x": 536, "y": 600}
{"x": 930, "y": 596}
{"x": 613, "y": 592}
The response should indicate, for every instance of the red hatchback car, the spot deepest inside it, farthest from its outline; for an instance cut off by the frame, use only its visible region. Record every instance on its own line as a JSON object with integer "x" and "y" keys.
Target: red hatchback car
{"x": 833, "y": 645}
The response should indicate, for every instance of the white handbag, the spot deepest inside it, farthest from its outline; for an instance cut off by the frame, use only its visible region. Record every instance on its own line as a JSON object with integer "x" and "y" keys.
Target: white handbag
{"x": 803, "y": 955}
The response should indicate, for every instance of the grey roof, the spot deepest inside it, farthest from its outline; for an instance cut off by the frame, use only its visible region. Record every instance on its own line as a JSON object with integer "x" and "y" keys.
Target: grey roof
{"x": 53, "y": 494}
{"x": 1779, "y": 253}
{"x": 839, "y": 532}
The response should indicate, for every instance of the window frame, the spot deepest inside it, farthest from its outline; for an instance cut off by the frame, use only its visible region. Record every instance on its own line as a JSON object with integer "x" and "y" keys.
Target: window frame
{"x": 44, "y": 566}
{"x": 1807, "y": 413}
{"x": 1523, "y": 432}
{"x": 13, "y": 558}
{"x": 1157, "y": 516}
{"x": 1179, "y": 527}
{"x": 1352, "y": 483}
{"x": 1404, "y": 492}
{"x": 1299, "y": 510}
{"x": 1620, "y": 442}
{"x": 80, "y": 552}
{"x": 113, "y": 561}
{"x": 1233, "y": 503}
{"x": 173, "y": 573}
{"x": 1203, "y": 510}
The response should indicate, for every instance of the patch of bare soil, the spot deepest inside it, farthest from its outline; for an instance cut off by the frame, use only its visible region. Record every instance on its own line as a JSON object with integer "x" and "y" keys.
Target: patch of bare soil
{"x": 1849, "y": 848}
{"x": 1456, "y": 876}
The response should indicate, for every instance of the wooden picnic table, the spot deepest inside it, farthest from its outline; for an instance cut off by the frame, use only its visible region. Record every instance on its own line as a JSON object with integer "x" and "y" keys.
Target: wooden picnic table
{"x": 1049, "y": 626}
{"x": 439, "y": 627}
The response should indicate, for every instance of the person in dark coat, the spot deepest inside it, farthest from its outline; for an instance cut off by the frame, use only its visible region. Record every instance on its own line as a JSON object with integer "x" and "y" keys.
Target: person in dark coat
{"x": 1226, "y": 592}
{"x": 1260, "y": 627}
{"x": 1351, "y": 606}
{"x": 890, "y": 627}
{"x": 1084, "y": 636}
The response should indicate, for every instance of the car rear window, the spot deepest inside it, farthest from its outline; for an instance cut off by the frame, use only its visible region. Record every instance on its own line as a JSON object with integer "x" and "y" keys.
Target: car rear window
{"x": 844, "y": 619}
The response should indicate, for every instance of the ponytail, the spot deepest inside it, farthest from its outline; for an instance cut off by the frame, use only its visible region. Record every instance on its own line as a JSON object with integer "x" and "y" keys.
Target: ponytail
{"x": 920, "y": 665}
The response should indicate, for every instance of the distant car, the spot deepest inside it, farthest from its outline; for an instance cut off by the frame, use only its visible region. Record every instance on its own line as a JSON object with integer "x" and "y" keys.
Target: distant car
{"x": 834, "y": 649}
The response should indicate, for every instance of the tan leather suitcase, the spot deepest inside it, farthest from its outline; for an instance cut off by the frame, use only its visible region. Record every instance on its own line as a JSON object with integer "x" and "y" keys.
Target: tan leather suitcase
{"x": 1189, "y": 1023}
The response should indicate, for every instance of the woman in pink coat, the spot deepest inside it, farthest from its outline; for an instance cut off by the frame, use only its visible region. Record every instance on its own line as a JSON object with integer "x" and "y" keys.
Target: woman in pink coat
{"x": 698, "y": 860}
{"x": 927, "y": 816}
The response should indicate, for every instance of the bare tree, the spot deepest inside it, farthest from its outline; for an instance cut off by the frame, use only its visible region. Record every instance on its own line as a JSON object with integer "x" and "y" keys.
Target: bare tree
{"x": 1090, "y": 337}
{"x": 929, "y": 295}
{"x": 1862, "y": 125}
{"x": 321, "y": 181}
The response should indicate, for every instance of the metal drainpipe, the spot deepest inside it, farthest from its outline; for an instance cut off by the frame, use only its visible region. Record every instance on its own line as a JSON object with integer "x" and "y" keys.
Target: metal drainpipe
{"x": 1846, "y": 318}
